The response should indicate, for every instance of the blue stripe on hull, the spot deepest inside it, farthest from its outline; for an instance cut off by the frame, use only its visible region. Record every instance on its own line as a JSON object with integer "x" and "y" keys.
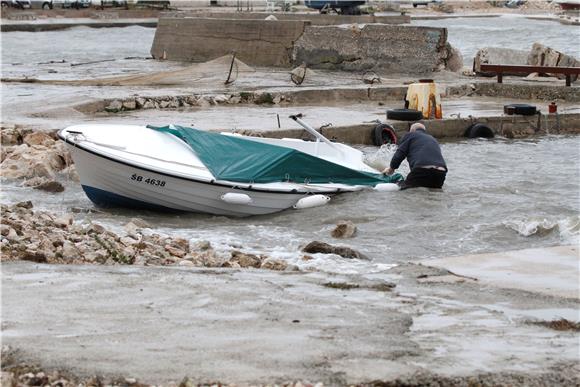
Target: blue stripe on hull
{"x": 102, "y": 198}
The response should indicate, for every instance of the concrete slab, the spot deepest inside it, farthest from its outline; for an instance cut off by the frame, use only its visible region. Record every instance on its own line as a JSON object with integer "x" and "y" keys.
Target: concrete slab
{"x": 160, "y": 324}
{"x": 552, "y": 271}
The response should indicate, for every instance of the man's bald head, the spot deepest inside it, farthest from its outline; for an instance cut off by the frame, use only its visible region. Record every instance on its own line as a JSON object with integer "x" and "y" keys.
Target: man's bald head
{"x": 417, "y": 125}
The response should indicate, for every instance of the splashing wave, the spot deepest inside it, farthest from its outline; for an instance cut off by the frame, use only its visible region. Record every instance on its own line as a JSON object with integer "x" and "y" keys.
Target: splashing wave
{"x": 567, "y": 228}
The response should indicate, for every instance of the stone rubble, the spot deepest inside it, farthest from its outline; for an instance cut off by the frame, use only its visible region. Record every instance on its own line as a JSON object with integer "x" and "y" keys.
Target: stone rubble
{"x": 195, "y": 100}
{"x": 43, "y": 237}
{"x": 36, "y": 156}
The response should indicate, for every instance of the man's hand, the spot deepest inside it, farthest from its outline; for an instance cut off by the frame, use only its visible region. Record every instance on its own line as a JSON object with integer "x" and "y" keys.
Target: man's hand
{"x": 388, "y": 171}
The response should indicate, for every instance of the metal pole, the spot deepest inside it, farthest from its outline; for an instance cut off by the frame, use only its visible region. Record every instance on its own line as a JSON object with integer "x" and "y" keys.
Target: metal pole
{"x": 312, "y": 131}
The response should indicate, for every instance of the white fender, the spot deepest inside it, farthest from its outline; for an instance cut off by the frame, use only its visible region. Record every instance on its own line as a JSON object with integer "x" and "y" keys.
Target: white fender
{"x": 236, "y": 198}
{"x": 311, "y": 201}
{"x": 387, "y": 187}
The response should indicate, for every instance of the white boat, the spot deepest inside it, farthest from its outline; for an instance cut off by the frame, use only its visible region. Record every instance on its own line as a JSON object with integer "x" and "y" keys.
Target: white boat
{"x": 222, "y": 174}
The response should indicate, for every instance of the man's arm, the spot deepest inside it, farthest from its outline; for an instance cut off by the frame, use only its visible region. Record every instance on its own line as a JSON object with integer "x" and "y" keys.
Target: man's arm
{"x": 402, "y": 151}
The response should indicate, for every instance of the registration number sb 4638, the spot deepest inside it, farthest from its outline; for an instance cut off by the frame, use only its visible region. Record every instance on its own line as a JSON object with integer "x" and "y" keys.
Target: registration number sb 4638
{"x": 147, "y": 180}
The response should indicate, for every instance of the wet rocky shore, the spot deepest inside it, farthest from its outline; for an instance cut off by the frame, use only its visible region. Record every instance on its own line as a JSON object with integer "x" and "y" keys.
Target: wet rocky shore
{"x": 43, "y": 237}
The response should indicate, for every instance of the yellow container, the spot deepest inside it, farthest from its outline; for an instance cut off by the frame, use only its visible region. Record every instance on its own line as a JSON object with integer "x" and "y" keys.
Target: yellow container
{"x": 425, "y": 97}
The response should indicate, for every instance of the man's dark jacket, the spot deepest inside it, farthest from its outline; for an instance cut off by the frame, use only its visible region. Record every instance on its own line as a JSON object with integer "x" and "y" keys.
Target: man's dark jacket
{"x": 420, "y": 149}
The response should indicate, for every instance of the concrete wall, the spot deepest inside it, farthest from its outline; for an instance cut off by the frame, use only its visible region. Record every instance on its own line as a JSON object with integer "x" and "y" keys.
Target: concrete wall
{"x": 387, "y": 48}
{"x": 395, "y": 49}
{"x": 256, "y": 42}
{"x": 450, "y": 128}
{"x": 517, "y": 90}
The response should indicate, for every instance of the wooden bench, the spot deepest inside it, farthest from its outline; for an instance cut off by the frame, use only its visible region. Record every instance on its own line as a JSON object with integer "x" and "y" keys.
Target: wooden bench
{"x": 501, "y": 69}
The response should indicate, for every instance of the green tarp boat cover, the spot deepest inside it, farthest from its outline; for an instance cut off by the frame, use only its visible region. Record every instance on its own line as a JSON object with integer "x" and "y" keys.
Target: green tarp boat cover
{"x": 237, "y": 159}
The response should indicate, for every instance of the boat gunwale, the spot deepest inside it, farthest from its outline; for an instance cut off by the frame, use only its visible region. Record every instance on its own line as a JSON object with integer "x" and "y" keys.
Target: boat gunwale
{"x": 212, "y": 182}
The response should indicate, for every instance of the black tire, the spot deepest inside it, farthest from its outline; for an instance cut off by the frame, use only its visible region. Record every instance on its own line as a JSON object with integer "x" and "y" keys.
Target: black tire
{"x": 521, "y": 109}
{"x": 46, "y": 6}
{"x": 404, "y": 115}
{"x": 478, "y": 130}
{"x": 384, "y": 134}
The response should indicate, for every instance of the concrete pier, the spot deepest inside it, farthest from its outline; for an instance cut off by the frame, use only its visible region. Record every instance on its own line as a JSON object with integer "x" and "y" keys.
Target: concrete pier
{"x": 284, "y": 43}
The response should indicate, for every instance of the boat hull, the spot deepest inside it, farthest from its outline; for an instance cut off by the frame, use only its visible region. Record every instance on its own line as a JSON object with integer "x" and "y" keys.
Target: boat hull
{"x": 112, "y": 183}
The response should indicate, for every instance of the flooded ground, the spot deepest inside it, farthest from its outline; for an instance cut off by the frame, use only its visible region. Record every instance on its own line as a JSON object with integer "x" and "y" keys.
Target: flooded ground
{"x": 500, "y": 194}
{"x": 160, "y": 324}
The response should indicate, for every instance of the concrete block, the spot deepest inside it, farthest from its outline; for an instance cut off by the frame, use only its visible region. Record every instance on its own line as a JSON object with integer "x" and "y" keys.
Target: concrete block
{"x": 498, "y": 55}
{"x": 256, "y": 42}
{"x": 541, "y": 55}
{"x": 378, "y": 47}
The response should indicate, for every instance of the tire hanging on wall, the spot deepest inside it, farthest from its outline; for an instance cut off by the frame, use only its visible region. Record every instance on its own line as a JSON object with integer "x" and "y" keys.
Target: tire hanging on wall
{"x": 404, "y": 114}
{"x": 384, "y": 134}
{"x": 478, "y": 130}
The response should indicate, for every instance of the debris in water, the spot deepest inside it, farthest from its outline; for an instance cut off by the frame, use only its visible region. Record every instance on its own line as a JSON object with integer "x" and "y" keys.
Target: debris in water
{"x": 558, "y": 325}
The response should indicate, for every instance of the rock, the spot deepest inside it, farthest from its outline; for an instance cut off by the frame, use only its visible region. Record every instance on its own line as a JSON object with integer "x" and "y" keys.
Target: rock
{"x": 173, "y": 103}
{"x": 191, "y": 100}
{"x": 201, "y": 245}
{"x": 271, "y": 18}
{"x": 128, "y": 241}
{"x": 140, "y": 102}
{"x": 29, "y": 161}
{"x": 129, "y": 104}
{"x": 64, "y": 221}
{"x": 94, "y": 228}
{"x": 274, "y": 264}
{"x": 7, "y": 379}
{"x": 69, "y": 251}
{"x": 210, "y": 259}
{"x": 324, "y": 248}
{"x": 454, "y": 59}
{"x": 50, "y": 186}
{"x": 298, "y": 74}
{"x": 27, "y": 204}
{"x": 498, "y": 55}
{"x": 231, "y": 264}
{"x": 245, "y": 260}
{"x": 4, "y": 229}
{"x": 34, "y": 256}
{"x": 371, "y": 77}
{"x": 221, "y": 98}
{"x": 114, "y": 107}
{"x": 133, "y": 230}
{"x": 93, "y": 256}
{"x": 11, "y": 136}
{"x": 39, "y": 138}
{"x": 149, "y": 104}
{"x": 185, "y": 262}
{"x": 181, "y": 244}
{"x": 187, "y": 382}
{"x": 344, "y": 229}
{"x": 140, "y": 223}
{"x": 175, "y": 251}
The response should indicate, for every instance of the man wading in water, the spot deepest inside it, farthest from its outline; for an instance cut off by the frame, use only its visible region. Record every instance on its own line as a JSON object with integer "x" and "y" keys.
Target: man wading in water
{"x": 428, "y": 168}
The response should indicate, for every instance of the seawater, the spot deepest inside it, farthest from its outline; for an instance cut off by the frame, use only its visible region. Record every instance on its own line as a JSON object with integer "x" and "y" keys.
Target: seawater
{"x": 499, "y": 195}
